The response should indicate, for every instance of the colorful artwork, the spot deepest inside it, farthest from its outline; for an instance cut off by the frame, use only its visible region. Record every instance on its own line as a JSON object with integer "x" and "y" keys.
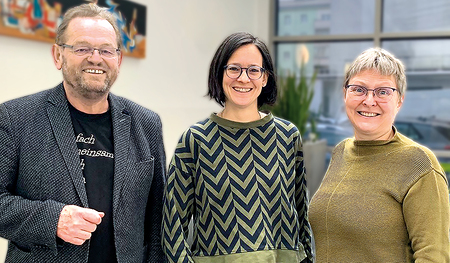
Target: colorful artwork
{"x": 39, "y": 19}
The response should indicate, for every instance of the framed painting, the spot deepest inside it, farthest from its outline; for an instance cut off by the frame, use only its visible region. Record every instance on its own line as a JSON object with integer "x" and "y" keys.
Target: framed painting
{"x": 39, "y": 19}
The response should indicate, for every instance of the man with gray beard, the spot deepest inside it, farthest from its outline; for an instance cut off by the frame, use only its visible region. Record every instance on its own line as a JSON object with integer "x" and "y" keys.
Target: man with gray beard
{"x": 58, "y": 203}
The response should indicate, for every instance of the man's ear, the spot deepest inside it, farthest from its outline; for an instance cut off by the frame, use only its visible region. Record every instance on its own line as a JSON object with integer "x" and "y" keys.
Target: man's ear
{"x": 120, "y": 58}
{"x": 57, "y": 56}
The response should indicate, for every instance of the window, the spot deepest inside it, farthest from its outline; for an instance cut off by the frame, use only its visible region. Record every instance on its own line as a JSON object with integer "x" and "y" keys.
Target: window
{"x": 329, "y": 59}
{"x": 351, "y": 17}
{"x": 325, "y": 17}
{"x": 304, "y": 18}
{"x": 416, "y": 15}
{"x": 415, "y": 31}
{"x": 287, "y": 20}
{"x": 341, "y": 30}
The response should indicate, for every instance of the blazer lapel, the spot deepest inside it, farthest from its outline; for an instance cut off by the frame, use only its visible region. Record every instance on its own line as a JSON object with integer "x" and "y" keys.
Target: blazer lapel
{"x": 59, "y": 115}
{"x": 121, "y": 122}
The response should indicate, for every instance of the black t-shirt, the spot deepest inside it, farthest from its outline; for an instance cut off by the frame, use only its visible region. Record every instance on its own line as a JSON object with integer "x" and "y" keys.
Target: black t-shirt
{"x": 94, "y": 138}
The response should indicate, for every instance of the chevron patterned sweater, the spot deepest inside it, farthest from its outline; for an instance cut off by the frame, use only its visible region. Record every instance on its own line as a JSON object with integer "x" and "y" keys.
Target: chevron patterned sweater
{"x": 244, "y": 184}
{"x": 382, "y": 201}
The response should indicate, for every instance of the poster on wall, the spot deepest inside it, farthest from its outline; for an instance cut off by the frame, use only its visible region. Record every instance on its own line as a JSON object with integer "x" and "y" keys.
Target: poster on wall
{"x": 38, "y": 20}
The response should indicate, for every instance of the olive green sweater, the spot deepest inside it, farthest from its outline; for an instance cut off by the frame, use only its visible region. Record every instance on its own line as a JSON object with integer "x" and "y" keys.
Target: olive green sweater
{"x": 382, "y": 201}
{"x": 244, "y": 184}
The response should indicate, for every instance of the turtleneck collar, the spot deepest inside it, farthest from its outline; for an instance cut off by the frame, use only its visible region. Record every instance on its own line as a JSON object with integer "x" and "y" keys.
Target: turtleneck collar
{"x": 360, "y": 148}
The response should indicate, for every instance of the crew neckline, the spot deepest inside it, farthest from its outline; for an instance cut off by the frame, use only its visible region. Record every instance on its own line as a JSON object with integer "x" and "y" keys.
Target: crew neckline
{"x": 241, "y": 125}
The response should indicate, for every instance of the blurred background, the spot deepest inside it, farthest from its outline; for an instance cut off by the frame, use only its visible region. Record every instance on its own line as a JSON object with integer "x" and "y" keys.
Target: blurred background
{"x": 327, "y": 35}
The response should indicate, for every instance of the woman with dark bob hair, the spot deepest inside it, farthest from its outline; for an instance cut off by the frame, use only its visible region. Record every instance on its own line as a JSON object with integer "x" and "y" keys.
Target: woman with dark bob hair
{"x": 240, "y": 172}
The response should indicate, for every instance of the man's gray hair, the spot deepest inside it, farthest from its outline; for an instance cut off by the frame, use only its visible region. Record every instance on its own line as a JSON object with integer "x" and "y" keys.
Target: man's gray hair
{"x": 382, "y": 62}
{"x": 87, "y": 10}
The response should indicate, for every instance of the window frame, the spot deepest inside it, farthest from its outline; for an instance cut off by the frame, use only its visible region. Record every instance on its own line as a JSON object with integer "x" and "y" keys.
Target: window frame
{"x": 377, "y": 36}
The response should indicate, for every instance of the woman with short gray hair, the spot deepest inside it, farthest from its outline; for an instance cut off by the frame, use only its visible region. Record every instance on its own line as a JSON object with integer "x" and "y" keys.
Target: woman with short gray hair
{"x": 384, "y": 198}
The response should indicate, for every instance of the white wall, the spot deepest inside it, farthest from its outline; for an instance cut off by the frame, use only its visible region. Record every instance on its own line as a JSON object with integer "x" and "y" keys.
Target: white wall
{"x": 182, "y": 37}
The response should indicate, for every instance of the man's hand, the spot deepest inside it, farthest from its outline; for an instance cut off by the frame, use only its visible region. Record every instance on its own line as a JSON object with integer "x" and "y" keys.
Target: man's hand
{"x": 76, "y": 224}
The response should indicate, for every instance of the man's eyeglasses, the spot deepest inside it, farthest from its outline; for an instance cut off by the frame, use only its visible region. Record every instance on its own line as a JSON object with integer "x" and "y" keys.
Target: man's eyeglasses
{"x": 381, "y": 94}
{"x": 235, "y": 71}
{"x": 85, "y": 50}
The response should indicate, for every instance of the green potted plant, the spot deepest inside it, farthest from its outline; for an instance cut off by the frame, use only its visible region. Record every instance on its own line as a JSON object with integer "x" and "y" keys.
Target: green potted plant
{"x": 294, "y": 100}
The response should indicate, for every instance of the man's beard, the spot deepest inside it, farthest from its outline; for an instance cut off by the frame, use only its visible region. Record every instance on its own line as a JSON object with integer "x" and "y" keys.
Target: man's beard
{"x": 74, "y": 77}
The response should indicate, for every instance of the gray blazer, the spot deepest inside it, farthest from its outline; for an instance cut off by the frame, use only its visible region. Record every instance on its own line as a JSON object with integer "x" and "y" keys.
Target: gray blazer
{"x": 40, "y": 173}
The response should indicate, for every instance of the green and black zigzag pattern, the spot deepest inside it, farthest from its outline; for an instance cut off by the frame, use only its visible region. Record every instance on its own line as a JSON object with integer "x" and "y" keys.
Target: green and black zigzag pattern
{"x": 245, "y": 187}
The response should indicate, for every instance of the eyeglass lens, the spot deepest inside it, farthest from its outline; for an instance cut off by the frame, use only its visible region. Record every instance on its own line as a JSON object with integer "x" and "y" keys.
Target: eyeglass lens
{"x": 381, "y": 93}
{"x": 104, "y": 52}
{"x": 85, "y": 50}
{"x": 235, "y": 71}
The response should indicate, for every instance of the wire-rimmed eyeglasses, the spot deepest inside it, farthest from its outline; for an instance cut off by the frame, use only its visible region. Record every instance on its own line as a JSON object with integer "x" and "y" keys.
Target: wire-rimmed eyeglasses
{"x": 382, "y": 94}
{"x": 80, "y": 50}
{"x": 235, "y": 71}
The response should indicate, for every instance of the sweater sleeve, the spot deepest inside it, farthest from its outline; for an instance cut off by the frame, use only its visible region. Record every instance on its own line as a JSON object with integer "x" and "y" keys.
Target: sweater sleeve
{"x": 302, "y": 202}
{"x": 178, "y": 203}
{"x": 426, "y": 213}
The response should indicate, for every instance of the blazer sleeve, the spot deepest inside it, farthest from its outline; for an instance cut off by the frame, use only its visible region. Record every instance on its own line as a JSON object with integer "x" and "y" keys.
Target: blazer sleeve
{"x": 302, "y": 202}
{"x": 178, "y": 203}
{"x": 26, "y": 223}
{"x": 155, "y": 199}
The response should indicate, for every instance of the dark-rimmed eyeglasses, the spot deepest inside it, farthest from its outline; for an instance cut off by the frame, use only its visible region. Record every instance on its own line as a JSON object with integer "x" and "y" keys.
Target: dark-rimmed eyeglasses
{"x": 235, "y": 71}
{"x": 81, "y": 50}
{"x": 381, "y": 94}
